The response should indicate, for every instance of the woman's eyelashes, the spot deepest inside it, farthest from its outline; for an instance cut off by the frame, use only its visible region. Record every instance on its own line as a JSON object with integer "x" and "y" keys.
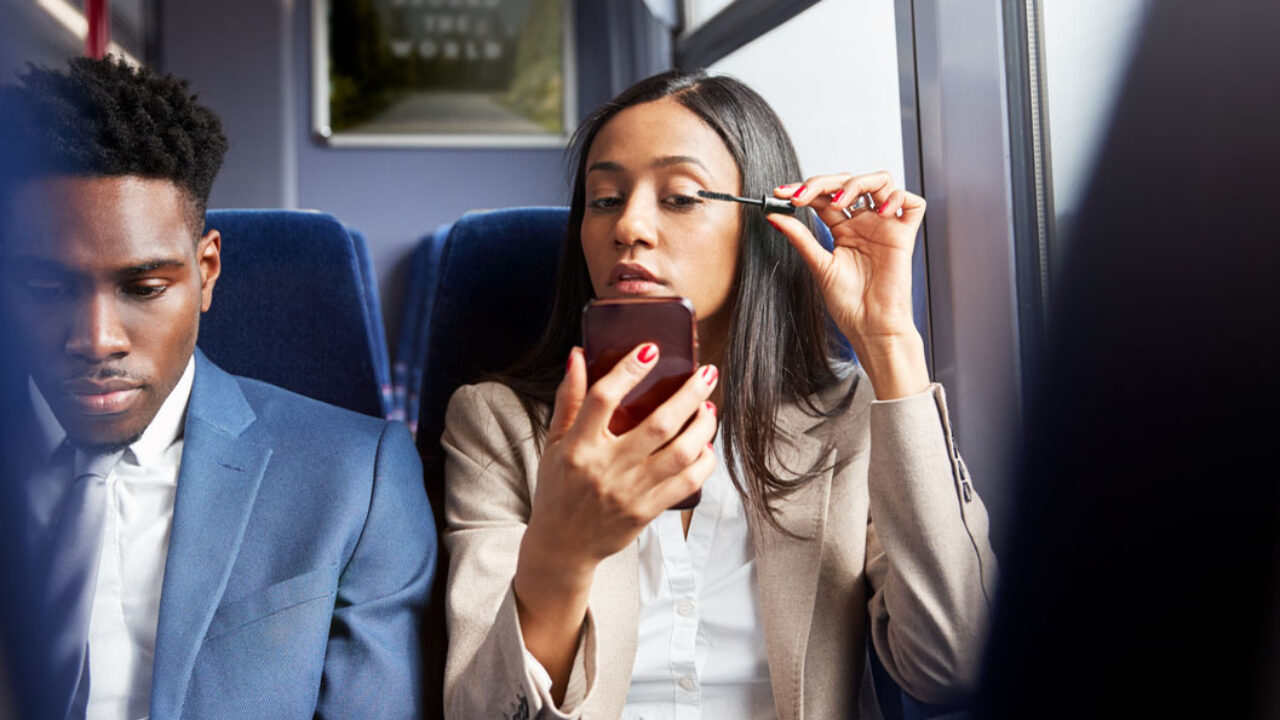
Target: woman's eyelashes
{"x": 679, "y": 201}
{"x": 605, "y": 203}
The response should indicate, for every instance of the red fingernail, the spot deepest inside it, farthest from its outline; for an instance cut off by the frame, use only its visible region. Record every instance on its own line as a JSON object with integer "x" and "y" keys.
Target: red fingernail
{"x": 836, "y": 198}
{"x": 709, "y": 374}
{"x": 882, "y": 209}
{"x": 647, "y": 353}
{"x": 799, "y": 192}
{"x": 711, "y": 406}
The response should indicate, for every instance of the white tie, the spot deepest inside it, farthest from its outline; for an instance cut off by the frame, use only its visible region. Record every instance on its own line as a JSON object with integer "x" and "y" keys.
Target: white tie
{"x": 75, "y": 545}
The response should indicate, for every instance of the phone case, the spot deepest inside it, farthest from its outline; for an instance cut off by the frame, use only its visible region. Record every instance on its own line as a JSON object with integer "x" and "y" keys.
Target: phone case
{"x": 613, "y": 328}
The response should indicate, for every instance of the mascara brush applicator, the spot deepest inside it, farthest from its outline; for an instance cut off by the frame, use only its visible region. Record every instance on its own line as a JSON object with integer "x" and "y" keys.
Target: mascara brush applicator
{"x": 768, "y": 203}
{"x": 771, "y": 204}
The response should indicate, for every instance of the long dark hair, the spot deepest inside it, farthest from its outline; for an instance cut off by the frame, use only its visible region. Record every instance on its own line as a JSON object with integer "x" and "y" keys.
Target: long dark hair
{"x": 779, "y": 342}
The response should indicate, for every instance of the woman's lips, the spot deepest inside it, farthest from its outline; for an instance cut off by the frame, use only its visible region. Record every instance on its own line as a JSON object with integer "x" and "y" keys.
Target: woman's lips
{"x": 634, "y": 279}
{"x": 637, "y": 287}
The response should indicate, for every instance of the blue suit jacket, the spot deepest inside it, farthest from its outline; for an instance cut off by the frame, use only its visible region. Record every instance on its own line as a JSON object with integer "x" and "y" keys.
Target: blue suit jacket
{"x": 301, "y": 556}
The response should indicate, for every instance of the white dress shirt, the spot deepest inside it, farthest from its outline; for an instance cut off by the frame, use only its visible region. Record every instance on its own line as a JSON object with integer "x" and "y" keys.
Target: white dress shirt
{"x": 700, "y": 649}
{"x": 141, "y": 490}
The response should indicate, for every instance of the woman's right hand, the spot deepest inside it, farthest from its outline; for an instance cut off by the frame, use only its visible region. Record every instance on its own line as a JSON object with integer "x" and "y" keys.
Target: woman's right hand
{"x": 597, "y": 491}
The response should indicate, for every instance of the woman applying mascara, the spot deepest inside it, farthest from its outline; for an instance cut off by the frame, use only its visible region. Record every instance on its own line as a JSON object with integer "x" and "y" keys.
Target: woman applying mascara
{"x": 835, "y": 510}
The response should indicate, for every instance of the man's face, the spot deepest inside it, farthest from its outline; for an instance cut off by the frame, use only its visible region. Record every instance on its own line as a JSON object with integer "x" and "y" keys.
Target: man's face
{"x": 106, "y": 282}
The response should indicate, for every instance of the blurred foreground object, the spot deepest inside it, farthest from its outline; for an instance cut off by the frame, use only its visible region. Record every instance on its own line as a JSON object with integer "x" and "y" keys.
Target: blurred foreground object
{"x": 1142, "y": 577}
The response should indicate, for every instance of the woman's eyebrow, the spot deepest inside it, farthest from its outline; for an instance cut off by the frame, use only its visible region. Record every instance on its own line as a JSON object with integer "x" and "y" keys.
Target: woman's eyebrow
{"x": 605, "y": 166}
{"x": 679, "y": 160}
{"x": 665, "y": 161}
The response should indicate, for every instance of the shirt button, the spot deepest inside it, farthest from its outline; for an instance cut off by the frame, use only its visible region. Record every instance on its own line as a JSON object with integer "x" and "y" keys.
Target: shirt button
{"x": 685, "y": 608}
{"x": 688, "y": 683}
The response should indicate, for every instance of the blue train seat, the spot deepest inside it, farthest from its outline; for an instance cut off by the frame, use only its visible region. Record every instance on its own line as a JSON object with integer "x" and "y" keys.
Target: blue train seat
{"x": 377, "y": 330}
{"x": 494, "y": 283}
{"x": 292, "y": 308}
{"x": 420, "y": 290}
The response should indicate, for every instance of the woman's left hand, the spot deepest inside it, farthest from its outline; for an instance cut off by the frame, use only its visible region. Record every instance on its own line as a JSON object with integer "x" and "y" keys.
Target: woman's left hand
{"x": 866, "y": 280}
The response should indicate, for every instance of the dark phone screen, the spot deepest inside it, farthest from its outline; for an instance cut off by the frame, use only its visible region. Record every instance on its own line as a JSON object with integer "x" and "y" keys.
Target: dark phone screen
{"x": 613, "y": 328}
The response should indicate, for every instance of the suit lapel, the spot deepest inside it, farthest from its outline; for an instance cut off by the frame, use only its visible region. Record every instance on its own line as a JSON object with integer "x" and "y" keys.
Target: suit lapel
{"x": 217, "y": 483}
{"x": 787, "y": 567}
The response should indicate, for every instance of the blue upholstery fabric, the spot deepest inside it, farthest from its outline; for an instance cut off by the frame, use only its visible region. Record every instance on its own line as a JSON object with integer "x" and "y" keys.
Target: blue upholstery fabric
{"x": 420, "y": 292}
{"x": 376, "y": 328}
{"x": 291, "y": 308}
{"x": 493, "y": 296}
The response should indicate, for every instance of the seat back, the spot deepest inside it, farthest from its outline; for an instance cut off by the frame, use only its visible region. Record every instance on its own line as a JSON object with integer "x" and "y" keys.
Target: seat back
{"x": 419, "y": 297}
{"x": 492, "y": 300}
{"x": 373, "y": 312}
{"x": 291, "y": 307}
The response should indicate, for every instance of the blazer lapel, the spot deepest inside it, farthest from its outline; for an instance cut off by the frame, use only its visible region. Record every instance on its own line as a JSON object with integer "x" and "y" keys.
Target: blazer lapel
{"x": 217, "y": 483}
{"x": 787, "y": 567}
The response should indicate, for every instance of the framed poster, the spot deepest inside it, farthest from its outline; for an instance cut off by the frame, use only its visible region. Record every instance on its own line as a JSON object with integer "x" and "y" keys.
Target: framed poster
{"x": 477, "y": 73}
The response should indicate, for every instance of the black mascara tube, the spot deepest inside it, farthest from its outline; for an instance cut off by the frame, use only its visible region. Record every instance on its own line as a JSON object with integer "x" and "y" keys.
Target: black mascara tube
{"x": 770, "y": 204}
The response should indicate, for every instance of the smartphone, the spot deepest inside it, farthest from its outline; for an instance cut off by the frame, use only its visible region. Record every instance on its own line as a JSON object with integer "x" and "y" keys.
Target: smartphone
{"x": 613, "y": 328}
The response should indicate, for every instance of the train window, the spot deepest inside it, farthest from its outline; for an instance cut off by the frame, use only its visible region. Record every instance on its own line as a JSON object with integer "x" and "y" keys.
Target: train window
{"x": 715, "y": 28}
{"x": 831, "y": 73}
{"x": 133, "y": 27}
{"x": 840, "y": 106}
{"x": 1087, "y": 46}
{"x": 698, "y": 12}
{"x": 1067, "y": 60}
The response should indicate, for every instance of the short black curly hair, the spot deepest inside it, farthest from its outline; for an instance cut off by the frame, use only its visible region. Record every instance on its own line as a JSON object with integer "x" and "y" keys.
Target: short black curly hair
{"x": 108, "y": 118}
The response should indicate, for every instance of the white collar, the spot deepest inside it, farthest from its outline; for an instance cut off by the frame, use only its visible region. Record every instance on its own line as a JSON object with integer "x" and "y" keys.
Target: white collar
{"x": 164, "y": 430}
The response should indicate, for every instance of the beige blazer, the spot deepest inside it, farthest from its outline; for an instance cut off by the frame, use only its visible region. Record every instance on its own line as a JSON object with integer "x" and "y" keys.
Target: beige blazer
{"x": 922, "y": 573}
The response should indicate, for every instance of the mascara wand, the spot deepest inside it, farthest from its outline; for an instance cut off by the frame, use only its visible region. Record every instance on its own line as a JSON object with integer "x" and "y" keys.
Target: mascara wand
{"x": 768, "y": 203}
{"x": 771, "y": 204}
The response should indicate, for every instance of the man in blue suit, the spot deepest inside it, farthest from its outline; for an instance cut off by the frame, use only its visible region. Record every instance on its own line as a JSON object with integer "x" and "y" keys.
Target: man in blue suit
{"x": 179, "y": 542}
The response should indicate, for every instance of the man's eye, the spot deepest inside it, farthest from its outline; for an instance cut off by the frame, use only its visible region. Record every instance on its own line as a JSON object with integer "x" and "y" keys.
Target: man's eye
{"x": 147, "y": 291}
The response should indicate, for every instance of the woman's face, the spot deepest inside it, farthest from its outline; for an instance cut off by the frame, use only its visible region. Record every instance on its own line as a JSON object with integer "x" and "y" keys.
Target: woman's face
{"x": 645, "y": 231}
